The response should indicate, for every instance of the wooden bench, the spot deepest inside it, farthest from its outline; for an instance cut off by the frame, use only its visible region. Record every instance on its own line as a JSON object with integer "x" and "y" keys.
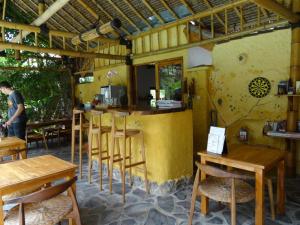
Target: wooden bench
{"x": 43, "y": 131}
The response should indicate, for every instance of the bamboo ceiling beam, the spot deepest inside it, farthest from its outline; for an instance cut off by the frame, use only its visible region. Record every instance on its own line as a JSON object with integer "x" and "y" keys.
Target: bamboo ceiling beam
{"x": 123, "y": 15}
{"x": 137, "y": 13}
{"x": 30, "y": 28}
{"x": 214, "y": 40}
{"x": 14, "y": 68}
{"x": 153, "y": 11}
{"x": 239, "y": 14}
{"x": 81, "y": 15}
{"x": 57, "y": 5}
{"x": 4, "y": 9}
{"x": 5, "y": 45}
{"x": 196, "y": 16}
{"x": 58, "y": 24}
{"x": 89, "y": 9}
{"x": 108, "y": 15}
{"x": 278, "y": 9}
{"x": 97, "y": 33}
{"x": 169, "y": 9}
{"x": 209, "y": 5}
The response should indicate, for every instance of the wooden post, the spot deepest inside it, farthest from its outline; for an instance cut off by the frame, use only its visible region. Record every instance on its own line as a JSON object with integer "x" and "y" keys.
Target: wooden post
{"x": 293, "y": 102}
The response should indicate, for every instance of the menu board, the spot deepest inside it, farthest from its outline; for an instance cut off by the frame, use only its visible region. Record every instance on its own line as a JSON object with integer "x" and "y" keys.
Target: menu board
{"x": 216, "y": 138}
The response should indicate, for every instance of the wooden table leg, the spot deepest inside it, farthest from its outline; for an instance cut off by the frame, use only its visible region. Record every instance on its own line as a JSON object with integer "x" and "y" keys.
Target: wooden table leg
{"x": 1, "y": 212}
{"x": 259, "y": 198}
{"x": 204, "y": 199}
{"x": 281, "y": 188}
{"x": 72, "y": 220}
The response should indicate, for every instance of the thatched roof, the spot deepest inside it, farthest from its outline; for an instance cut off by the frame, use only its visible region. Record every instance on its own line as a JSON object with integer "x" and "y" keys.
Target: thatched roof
{"x": 74, "y": 17}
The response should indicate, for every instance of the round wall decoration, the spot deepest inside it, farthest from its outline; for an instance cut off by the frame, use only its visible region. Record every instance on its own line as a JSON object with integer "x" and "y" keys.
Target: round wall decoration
{"x": 259, "y": 87}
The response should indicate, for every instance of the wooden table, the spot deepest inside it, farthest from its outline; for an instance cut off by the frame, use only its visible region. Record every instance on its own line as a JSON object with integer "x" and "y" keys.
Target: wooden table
{"x": 12, "y": 143}
{"x": 256, "y": 159}
{"x": 23, "y": 174}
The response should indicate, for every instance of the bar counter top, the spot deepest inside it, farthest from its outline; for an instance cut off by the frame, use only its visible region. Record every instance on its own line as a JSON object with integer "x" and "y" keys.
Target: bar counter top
{"x": 140, "y": 110}
{"x": 146, "y": 110}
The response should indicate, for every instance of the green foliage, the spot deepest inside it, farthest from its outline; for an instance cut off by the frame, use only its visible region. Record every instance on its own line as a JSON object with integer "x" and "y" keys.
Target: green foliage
{"x": 47, "y": 94}
{"x": 170, "y": 80}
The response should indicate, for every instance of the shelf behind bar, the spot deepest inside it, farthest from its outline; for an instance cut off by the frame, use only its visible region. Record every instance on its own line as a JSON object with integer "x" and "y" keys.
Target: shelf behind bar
{"x": 294, "y": 95}
{"x": 288, "y": 135}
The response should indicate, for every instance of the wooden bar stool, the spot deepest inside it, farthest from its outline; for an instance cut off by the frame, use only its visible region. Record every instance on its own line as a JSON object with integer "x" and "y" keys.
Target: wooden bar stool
{"x": 78, "y": 125}
{"x": 125, "y": 156}
{"x": 96, "y": 130}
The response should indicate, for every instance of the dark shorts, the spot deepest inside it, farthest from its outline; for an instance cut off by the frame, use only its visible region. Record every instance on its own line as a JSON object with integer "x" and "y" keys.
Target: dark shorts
{"x": 17, "y": 129}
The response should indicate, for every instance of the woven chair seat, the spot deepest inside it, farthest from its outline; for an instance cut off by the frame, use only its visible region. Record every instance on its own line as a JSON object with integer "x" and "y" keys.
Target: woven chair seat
{"x": 219, "y": 189}
{"x": 48, "y": 212}
{"x": 20, "y": 193}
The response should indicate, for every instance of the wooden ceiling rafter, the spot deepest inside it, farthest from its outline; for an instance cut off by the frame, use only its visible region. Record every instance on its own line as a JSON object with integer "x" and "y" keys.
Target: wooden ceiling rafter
{"x": 109, "y": 16}
{"x": 170, "y": 10}
{"x": 190, "y": 9}
{"x": 254, "y": 28}
{"x": 239, "y": 13}
{"x": 88, "y": 8}
{"x": 80, "y": 14}
{"x": 137, "y": 13}
{"x": 278, "y": 9}
{"x": 60, "y": 17}
{"x": 209, "y": 5}
{"x": 196, "y": 17}
{"x": 50, "y": 26}
{"x": 124, "y": 16}
{"x": 62, "y": 52}
{"x": 43, "y": 16}
{"x": 147, "y": 4}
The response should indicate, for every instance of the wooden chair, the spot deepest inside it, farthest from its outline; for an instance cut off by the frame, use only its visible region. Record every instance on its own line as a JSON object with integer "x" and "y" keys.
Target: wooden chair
{"x": 48, "y": 206}
{"x": 221, "y": 186}
{"x": 125, "y": 156}
{"x": 78, "y": 125}
{"x": 96, "y": 130}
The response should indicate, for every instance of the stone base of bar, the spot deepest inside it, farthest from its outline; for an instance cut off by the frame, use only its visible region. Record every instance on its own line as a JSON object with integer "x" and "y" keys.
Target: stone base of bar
{"x": 155, "y": 188}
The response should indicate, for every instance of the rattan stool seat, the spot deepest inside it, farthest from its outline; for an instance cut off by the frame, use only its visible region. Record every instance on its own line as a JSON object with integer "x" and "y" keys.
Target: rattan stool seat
{"x": 20, "y": 193}
{"x": 48, "y": 212}
{"x": 219, "y": 189}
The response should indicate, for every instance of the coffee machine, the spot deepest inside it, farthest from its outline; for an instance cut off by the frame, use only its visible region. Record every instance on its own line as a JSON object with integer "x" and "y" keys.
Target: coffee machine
{"x": 114, "y": 95}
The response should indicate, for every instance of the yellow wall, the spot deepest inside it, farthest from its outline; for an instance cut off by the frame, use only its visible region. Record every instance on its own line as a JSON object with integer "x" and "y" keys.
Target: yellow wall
{"x": 168, "y": 137}
{"x": 268, "y": 55}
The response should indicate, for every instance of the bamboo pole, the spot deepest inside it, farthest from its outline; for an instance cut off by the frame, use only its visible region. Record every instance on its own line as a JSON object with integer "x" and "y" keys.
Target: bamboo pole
{"x": 195, "y": 17}
{"x": 3, "y": 18}
{"x": 293, "y": 102}
{"x": 214, "y": 40}
{"x": 279, "y": 9}
{"x": 31, "y": 28}
{"x": 57, "y": 5}
{"x": 59, "y": 51}
{"x": 97, "y": 32}
{"x": 31, "y": 69}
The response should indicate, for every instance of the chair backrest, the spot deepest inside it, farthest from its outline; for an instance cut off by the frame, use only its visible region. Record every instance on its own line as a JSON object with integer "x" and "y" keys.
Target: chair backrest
{"x": 217, "y": 172}
{"x": 77, "y": 117}
{"x": 119, "y": 114}
{"x": 44, "y": 194}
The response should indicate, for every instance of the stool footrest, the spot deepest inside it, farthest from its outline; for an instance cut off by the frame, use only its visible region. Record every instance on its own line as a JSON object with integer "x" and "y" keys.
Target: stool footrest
{"x": 135, "y": 164}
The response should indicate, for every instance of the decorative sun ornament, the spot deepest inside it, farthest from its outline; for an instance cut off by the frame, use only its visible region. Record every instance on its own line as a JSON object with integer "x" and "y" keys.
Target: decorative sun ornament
{"x": 259, "y": 87}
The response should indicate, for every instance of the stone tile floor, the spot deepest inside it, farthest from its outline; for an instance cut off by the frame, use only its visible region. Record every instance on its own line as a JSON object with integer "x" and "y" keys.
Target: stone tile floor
{"x": 103, "y": 208}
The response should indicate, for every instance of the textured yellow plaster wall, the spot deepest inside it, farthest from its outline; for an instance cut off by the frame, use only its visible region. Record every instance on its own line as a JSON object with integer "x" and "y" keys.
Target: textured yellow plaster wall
{"x": 268, "y": 55}
{"x": 168, "y": 137}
